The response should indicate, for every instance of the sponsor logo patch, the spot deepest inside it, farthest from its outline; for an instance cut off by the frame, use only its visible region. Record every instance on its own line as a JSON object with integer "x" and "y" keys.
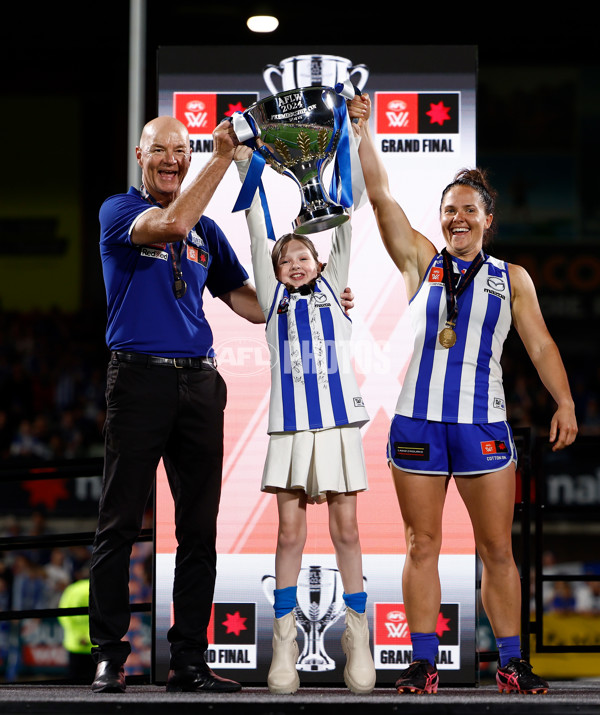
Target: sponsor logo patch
{"x": 494, "y": 446}
{"x": 197, "y": 255}
{"x": 149, "y": 252}
{"x": 411, "y": 450}
{"x": 436, "y": 274}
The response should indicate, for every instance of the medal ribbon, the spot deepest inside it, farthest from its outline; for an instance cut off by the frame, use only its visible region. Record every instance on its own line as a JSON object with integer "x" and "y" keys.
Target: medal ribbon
{"x": 179, "y": 285}
{"x": 456, "y": 285}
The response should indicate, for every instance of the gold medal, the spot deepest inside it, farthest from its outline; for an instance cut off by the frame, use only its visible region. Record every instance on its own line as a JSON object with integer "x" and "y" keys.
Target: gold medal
{"x": 447, "y": 337}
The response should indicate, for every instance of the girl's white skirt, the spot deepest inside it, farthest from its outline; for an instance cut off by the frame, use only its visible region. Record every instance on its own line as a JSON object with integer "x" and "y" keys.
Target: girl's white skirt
{"x": 317, "y": 462}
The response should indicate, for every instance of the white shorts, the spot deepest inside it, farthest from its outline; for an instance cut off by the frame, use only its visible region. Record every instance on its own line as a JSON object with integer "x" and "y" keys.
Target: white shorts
{"x": 317, "y": 462}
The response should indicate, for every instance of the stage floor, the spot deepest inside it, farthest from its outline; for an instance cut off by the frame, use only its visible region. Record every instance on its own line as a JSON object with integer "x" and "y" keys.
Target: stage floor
{"x": 564, "y": 698}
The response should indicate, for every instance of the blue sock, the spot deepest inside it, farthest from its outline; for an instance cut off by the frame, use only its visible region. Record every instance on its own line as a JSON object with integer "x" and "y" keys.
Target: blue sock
{"x": 356, "y": 601}
{"x": 285, "y": 600}
{"x": 508, "y": 648}
{"x": 425, "y": 646}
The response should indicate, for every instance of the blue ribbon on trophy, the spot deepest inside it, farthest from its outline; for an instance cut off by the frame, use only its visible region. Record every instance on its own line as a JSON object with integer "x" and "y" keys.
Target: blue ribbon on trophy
{"x": 341, "y": 180}
{"x": 246, "y": 133}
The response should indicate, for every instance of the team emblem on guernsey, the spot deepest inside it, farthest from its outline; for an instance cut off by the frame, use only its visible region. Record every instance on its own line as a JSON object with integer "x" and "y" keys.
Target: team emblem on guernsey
{"x": 284, "y": 304}
{"x": 194, "y": 239}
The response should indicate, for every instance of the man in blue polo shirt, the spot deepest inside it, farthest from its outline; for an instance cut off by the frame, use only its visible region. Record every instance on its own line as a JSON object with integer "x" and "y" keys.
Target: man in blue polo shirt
{"x": 165, "y": 398}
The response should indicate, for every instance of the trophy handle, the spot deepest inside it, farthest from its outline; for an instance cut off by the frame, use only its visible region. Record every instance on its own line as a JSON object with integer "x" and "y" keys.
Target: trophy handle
{"x": 270, "y": 70}
{"x": 363, "y": 71}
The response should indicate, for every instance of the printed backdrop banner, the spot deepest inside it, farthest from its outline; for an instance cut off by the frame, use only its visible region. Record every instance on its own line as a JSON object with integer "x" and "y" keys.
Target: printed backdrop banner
{"x": 424, "y": 124}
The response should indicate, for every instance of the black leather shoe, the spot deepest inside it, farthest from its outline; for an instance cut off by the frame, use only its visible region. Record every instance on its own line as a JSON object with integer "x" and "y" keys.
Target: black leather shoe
{"x": 199, "y": 677}
{"x": 110, "y": 677}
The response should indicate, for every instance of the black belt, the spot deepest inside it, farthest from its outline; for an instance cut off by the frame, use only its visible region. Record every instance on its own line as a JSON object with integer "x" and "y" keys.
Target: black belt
{"x": 195, "y": 363}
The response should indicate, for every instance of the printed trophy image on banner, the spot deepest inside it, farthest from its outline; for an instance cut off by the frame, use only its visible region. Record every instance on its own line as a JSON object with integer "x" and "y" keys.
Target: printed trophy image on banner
{"x": 313, "y": 71}
{"x": 423, "y": 124}
{"x": 319, "y": 605}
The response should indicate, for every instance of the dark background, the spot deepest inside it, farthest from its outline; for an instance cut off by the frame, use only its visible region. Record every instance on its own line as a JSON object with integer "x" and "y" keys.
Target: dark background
{"x": 538, "y": 106}
{"x": 64, "y": 102}
{"x": 537, "y": 124}
{"x": 538, "y": 94}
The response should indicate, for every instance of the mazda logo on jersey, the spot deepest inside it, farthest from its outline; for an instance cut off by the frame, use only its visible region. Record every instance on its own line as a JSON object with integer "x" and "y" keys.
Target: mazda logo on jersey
{"x": 496, "y": 283}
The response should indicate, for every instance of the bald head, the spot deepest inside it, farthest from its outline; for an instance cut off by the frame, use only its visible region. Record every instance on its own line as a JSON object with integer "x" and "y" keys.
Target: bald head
{"x": 163, "y": 127}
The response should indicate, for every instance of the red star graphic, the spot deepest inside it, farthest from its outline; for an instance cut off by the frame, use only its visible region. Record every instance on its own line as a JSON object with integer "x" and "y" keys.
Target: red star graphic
{"x": 46, "y": 492}
{"x": 234, "y": 623}
{"x": 442, "y": 625}
{"x": 438, "y": 113}
{"x": 234, "y": 108}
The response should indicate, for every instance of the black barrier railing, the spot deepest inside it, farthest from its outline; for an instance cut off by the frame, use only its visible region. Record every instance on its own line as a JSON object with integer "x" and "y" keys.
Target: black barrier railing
{"x": 543, "y": 510}
{"x": 528, "y": 510}
{"x": 523, "y": 511}
{"x": 63, "y": 469}
{"x": 531, "y": 512}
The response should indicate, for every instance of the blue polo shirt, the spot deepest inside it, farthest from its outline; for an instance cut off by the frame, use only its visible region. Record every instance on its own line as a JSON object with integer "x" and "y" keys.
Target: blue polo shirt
{"x": 143, "y": 314}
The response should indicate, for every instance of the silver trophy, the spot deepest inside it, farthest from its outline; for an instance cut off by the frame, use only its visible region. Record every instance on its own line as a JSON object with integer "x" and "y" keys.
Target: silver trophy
{"x": 298, "y": 132}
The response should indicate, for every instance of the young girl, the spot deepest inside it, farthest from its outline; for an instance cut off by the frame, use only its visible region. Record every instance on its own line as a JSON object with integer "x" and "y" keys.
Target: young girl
{"x": 315, "y": 450}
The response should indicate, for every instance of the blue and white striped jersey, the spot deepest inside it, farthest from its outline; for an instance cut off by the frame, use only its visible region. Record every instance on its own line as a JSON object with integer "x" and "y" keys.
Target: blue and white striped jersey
{"x": 462, "y": 383}
{"x": 313, "y": 385}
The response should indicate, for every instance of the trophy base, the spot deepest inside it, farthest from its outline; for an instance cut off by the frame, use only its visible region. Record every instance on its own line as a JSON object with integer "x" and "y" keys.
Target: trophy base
{"x": 320, "y": 219}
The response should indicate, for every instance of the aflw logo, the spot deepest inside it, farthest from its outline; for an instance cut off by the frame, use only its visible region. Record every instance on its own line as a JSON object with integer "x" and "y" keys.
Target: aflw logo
{"x": 397, "y": 114}
{"x": 195, "y": 114}
{"x": 391, "y": 627}
{"x": 396, "y": 630}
